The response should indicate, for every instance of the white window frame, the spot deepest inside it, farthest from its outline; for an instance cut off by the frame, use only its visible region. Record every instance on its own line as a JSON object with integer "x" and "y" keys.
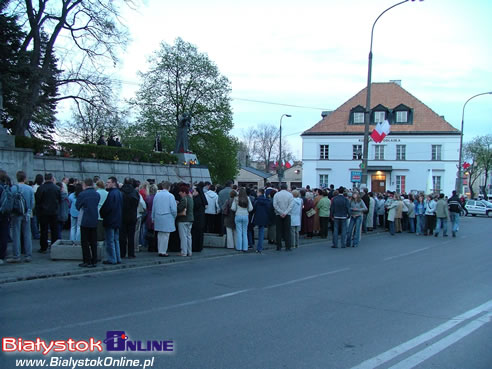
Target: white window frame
{"x": 355, "y": 150}
{"x": 379, "y": 152}
{"x": 402, "y": 116}
{"x": 321, "y": 178}
{"x": 436, "y": 153}
{"x": 401, "y": 152}
{"x": 324, "y": 152}
{"x": 436, "y": 183}
{"x": 399, "y": 186}
{"x": 359, "y": 117}
{"x": 379, "y": 116}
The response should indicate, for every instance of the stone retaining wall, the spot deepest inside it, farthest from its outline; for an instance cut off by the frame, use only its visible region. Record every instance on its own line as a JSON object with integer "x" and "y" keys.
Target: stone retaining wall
{"x": 12, "y": 160}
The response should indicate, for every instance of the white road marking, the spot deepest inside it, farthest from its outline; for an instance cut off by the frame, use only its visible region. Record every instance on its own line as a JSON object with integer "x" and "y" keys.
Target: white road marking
{"x": 417, "y": 341}
{"x": 176, "y": 306}
{"x": 305, "y": 279}
{"x": 442, "y": 344}
{"x": 406, "y": 254}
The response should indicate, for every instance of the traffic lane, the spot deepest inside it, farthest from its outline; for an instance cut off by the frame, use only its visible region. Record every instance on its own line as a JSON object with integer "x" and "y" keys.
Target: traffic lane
{"x": 175, "y": 284}
{"x": 335, "y": 293}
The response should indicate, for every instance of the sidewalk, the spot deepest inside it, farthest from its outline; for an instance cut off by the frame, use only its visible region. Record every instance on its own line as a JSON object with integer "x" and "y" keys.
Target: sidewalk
{"x": 42, "y": 266}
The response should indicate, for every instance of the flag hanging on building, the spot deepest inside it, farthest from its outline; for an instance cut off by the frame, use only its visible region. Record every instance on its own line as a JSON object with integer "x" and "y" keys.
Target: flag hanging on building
{"x": 289, "y": 164}
{"x": 381, "y": 131}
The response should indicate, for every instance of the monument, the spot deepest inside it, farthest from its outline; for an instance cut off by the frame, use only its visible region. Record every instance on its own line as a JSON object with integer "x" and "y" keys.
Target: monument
{"x": 182, "y": 149}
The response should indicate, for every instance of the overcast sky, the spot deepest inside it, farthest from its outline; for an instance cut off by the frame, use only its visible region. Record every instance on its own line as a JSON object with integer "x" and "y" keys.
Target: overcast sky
{"x": 313, "y": 54}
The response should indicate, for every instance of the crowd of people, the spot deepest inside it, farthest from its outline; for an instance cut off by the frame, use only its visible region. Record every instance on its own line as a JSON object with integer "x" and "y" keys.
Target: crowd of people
{"x": 163, "y": 217}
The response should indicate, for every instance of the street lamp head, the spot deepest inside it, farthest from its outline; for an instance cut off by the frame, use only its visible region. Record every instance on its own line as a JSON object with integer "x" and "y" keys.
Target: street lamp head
{"x": 288, "y": 115}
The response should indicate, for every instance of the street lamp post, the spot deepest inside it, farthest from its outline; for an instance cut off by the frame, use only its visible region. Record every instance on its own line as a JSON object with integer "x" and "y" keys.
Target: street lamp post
{"x": 367, "y": 114}
{"x": 460, "y": 164}
{"x": 280, "y": 169}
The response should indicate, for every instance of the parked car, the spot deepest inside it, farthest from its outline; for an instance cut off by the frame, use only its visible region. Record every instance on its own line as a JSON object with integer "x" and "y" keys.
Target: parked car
{"x": 480, "y": 207}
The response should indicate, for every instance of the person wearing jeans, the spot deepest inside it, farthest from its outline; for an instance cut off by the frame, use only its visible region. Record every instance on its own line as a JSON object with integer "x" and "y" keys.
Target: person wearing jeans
{"x": 261, "y": 210}
{"x": 357, "y": 208}
{"x": 241, "y": 206}
{"x": 110, "y": 212}
{"x": 455, "y": 209}
{"x": 339, "y": 210}
{"x": 21, "y": 223}
{"x": 442, "y": 215}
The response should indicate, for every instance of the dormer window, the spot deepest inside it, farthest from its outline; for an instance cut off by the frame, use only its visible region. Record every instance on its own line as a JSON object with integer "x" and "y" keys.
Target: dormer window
{"x": 402, "y": 114}
{"x": 379, "y": 114}
{"x": 358, "y": 118}
{"x": 357, "y": 115}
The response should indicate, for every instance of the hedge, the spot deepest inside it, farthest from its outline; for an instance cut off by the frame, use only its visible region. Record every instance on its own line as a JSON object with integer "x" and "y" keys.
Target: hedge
{"x": 93, "y": 151}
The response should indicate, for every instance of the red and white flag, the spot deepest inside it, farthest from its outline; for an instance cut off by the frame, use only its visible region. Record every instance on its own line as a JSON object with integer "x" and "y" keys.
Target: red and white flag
{"x": 289, "y": 164}
{"x": 381, "y": 131}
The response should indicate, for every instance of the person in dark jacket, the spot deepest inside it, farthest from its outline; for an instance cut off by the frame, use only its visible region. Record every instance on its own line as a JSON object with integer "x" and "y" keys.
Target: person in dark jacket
{"x": 339, "y": 211}
{"x": 4, "y": 218}
{"x": 87, "y": 204}
{"x": 262, "y": 209}
{"x": 111, "y": 214}
{"x": 198, "y": 227}
{"x": 455, "y": 210}
{"x": 48, "y": 200}
{"x": 128, "y": 218}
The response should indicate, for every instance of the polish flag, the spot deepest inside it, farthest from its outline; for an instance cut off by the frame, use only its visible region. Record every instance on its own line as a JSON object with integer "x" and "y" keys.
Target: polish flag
{"x": 381, "y": 131}
{"x": 289, "y": 164}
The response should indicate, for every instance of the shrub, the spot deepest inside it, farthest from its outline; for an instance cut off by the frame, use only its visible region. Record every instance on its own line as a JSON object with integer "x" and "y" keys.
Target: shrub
{"x": 93, "y": 151}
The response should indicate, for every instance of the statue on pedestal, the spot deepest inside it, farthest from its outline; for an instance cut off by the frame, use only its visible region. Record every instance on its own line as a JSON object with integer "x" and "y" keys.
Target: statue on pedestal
{"x": 182, "y": 143}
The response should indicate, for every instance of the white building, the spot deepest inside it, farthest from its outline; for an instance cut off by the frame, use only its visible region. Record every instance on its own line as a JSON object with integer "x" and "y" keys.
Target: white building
{"x": 420, "y": 153}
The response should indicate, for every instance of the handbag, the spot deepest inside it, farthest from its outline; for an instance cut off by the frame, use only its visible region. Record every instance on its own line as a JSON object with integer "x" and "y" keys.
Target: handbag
{"x": 310, "y": 212}
{"x": 183, "y": 213}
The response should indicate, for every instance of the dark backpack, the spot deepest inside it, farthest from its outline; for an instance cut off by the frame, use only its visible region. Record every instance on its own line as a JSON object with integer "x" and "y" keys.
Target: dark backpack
{"x": 6, "y": 200}
{"x": 19, "y": 206}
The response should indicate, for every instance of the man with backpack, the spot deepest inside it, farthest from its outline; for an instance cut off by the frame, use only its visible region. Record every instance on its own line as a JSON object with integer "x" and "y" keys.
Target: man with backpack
{"x": 48, "y": 199}
{"x": 23, "y": 202}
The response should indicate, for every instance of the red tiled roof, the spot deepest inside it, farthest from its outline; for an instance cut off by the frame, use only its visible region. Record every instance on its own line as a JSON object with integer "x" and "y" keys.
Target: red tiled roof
{"x": 390, "y": 95}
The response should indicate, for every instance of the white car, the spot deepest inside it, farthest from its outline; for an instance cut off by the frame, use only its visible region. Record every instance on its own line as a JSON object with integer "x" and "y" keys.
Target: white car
{"x": 480, "y": 207}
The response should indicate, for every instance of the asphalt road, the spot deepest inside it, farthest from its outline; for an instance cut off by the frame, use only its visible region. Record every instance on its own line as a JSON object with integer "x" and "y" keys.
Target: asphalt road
{"x": 395, "y": 302}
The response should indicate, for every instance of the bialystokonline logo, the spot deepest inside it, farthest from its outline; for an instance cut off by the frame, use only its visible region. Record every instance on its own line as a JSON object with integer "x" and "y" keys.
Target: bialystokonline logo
{"x": 116, "y": 341}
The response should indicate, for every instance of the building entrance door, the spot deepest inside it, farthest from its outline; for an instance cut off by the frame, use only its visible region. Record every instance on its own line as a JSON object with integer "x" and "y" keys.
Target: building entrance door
{"x": 378, "y": 182}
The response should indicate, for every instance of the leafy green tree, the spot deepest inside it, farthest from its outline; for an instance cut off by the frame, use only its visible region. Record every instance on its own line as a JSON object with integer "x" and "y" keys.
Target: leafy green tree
{"x": 479, "y": 152}
{"x": 183, "y": 80}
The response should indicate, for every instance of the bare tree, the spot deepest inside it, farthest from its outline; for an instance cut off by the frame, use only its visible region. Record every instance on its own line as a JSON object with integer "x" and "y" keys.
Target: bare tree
{"x": 96, "y": 35}
{"x": 267, "y": 137}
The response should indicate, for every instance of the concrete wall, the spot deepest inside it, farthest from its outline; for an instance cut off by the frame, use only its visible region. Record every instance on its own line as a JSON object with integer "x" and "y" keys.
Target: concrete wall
{"x": 13, "y": 160}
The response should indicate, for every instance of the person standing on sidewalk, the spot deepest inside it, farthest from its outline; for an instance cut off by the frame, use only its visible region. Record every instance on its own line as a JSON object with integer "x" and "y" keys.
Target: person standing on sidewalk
{"x": 241, "y": 207}
{"x": 48, "y": 199}
{"x": 282, "y": 203}
{"x": 357, "y": 209}
{"x": 163, "y": 216}
{"x": 295, "y": 219}
{"x": 455, "y": 210}
{"x": 130, "y": 203}
{"x": 340, "y": 211}
{"x": 261, "y": 210}
{"x": 185, "y": 220}
{"x": 110, "y": 212}
{"x": 88, "y": 201}
{"x": 323, "y": 206}
{"x": 441, "y": 216}
{"x": 21, "y": 224}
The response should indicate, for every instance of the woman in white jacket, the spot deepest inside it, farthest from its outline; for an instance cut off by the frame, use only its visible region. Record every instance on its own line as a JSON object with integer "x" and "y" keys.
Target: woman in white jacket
{"x": 295, "y": 218}
{"x": 211, "y": 210}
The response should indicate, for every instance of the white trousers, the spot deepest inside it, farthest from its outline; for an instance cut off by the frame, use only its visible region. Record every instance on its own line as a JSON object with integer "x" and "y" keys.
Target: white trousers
{"x": 162, "y": 242}
{"x": 184, "y": 229}
{"x": 231, "y": 238}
